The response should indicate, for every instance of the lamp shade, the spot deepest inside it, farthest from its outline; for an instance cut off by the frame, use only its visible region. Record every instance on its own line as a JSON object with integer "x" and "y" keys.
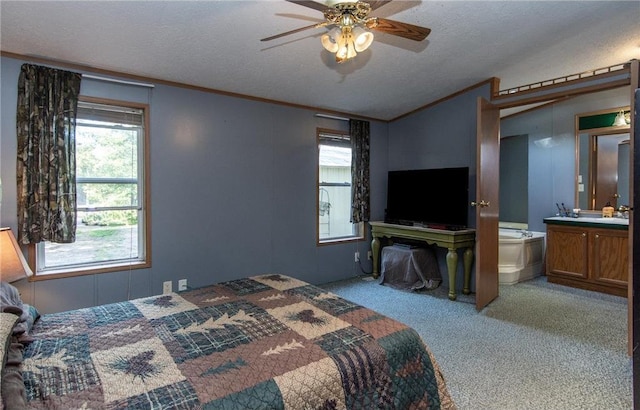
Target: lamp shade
{"x": 330, "y": 40}
{"x": 362, "y": 39}
{"x": 13, "y": 265}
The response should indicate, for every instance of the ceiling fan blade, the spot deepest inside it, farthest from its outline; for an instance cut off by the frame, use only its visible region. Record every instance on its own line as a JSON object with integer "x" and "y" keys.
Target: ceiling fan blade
{"x": 375, "y": 4}
{"x": 318, "y": 25}
{"x": 397, "y": 28}
{"x": 311, "y": 4}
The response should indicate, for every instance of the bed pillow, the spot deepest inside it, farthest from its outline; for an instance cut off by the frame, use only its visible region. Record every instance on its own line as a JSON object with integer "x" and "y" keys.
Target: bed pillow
{"x": 7, "y": 321}
{"x": 11, "y": 302}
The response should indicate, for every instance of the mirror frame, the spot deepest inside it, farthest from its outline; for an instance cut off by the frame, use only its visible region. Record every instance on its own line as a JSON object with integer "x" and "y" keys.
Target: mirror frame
{"x": 611, "y": 129}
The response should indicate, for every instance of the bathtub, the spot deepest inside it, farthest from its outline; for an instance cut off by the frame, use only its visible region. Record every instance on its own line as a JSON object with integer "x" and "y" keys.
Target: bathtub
{"x": 520, "y": 257}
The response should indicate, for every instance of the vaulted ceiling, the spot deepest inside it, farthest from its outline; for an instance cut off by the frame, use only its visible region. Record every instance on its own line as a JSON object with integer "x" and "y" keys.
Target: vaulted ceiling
{"x": 216, "y": 45}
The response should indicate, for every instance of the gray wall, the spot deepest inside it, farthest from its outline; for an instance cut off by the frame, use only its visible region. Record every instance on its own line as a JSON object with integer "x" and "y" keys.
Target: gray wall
{"x": 232, "y": 194}
{"x": 552, "y": 149}
{"x": 440, "y": 136}
{"x": 514, "y": 179}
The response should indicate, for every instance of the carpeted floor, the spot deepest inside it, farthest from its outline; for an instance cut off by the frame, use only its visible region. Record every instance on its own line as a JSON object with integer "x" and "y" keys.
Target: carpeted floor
{"x": 538, "y": 346}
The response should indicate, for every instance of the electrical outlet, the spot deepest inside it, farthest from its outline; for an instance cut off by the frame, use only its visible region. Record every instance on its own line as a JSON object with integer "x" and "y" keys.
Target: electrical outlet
{"x": 167, "y": 287}
{"x": 357, "y": 256}
{"x": 369, "y": 255}
{"x": 182, "y": 284}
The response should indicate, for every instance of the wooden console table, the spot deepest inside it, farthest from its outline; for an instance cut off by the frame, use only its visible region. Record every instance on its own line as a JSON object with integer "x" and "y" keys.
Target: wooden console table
{"x": 450, "y": 240}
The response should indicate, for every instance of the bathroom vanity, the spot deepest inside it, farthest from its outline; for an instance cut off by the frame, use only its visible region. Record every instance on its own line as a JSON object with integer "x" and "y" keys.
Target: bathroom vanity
{"x": 589, "y": 253}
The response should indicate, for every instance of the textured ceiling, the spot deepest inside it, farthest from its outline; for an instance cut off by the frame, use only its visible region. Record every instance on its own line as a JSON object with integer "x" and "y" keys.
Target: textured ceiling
{"x": 216, "y": 44}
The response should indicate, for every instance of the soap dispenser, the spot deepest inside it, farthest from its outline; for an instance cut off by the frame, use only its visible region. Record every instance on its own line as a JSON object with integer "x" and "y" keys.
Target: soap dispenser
{"x": 607, "y": 211}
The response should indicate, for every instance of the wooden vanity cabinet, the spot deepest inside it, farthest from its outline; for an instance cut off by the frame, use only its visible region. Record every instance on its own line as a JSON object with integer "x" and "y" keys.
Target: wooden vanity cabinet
{"x": 592, "y": 258}
{"x": 611, "y": 258}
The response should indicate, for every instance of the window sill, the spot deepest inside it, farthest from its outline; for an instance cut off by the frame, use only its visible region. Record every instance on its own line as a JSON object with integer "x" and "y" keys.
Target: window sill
{"x": 89, "y": 270}
{"x": 335, "y": 241}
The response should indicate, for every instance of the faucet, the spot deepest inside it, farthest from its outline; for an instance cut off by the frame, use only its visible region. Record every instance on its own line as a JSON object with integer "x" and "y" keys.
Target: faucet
{"x": 526, "y": 234}
{"x": 623, "y": 211}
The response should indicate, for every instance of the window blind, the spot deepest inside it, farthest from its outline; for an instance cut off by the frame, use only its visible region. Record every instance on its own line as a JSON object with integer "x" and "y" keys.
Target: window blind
{"x": 112, "y": 114}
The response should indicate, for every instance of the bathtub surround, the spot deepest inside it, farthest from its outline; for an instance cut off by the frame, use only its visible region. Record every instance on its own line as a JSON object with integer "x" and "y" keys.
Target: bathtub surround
{"x": 537, "y": 346}
{"x": 513, "y": 225}
{"x": 520, "y": 255}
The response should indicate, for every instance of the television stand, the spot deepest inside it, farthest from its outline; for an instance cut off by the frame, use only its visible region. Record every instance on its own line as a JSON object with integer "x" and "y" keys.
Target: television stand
{"x": 450, "y": 240}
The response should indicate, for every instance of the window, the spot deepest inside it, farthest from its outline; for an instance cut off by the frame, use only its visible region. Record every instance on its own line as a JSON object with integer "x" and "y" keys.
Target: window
{"x": 111, "y": 174}
{"x": 334, "y": 189}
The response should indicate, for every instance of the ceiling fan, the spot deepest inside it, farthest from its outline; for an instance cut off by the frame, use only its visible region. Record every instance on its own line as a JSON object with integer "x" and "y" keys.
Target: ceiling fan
{"x": 350, "y": 21}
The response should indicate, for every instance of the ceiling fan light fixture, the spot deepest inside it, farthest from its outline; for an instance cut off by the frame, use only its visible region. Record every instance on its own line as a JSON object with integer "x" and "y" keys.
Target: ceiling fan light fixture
{"x": 363, "y": 39}
{"x": 330, "y": 40}
{"x": 346, "y": 47}
{"x": 351, "y": 24}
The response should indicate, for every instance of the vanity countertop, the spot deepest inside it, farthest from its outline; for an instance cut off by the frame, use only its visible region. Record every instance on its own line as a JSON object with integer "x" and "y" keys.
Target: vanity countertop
{"x": 593, "y": 222}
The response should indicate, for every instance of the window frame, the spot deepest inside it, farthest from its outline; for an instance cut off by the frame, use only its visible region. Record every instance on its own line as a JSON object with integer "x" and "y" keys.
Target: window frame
{"x": 144, "y": 205}
{"x": 359, "y": 227}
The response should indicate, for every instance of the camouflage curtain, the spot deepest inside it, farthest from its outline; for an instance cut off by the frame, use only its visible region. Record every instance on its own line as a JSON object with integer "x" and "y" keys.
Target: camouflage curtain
{"x": 46, "y": 164}
{"x": 359, "y": 135}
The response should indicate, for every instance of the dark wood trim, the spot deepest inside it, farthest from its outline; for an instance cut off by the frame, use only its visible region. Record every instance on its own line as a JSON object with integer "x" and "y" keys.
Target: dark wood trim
{"x": 561, "y": 94}
{"x": 634, "y": 237}
{"x": 566, "y": 79}
{"x": 493, "y": 82}
{"x": 564, "y": 89}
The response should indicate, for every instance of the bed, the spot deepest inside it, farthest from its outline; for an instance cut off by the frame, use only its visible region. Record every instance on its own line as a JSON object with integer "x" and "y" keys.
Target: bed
{"x": 264, "y": 342}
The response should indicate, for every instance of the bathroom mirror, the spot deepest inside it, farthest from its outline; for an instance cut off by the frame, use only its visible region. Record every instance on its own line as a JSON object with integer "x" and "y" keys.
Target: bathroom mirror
{"x": 602, "y": 158}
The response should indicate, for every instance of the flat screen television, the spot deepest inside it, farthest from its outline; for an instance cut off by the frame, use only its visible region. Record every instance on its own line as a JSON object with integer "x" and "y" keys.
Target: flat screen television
{"x": 435, "y": 198}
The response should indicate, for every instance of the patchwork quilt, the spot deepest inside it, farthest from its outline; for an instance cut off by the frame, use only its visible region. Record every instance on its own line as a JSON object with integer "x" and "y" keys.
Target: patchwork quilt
{"x": 265, "y": 342}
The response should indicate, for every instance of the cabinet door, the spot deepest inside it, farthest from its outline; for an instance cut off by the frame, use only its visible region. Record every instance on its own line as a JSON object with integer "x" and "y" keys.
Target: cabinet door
{"x": 611, "y": 257}
{"x": 567, "y": 251}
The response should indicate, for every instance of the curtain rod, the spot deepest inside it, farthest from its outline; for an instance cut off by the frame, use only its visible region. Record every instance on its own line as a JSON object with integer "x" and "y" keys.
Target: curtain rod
{"x": 113, "y": 80}
{"x": 332, "y": 117}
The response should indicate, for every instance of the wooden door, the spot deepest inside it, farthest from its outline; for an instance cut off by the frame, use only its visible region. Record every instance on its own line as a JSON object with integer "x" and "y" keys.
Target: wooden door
{"x": 633, "y": 305}
{"x": 487, "y": 209}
